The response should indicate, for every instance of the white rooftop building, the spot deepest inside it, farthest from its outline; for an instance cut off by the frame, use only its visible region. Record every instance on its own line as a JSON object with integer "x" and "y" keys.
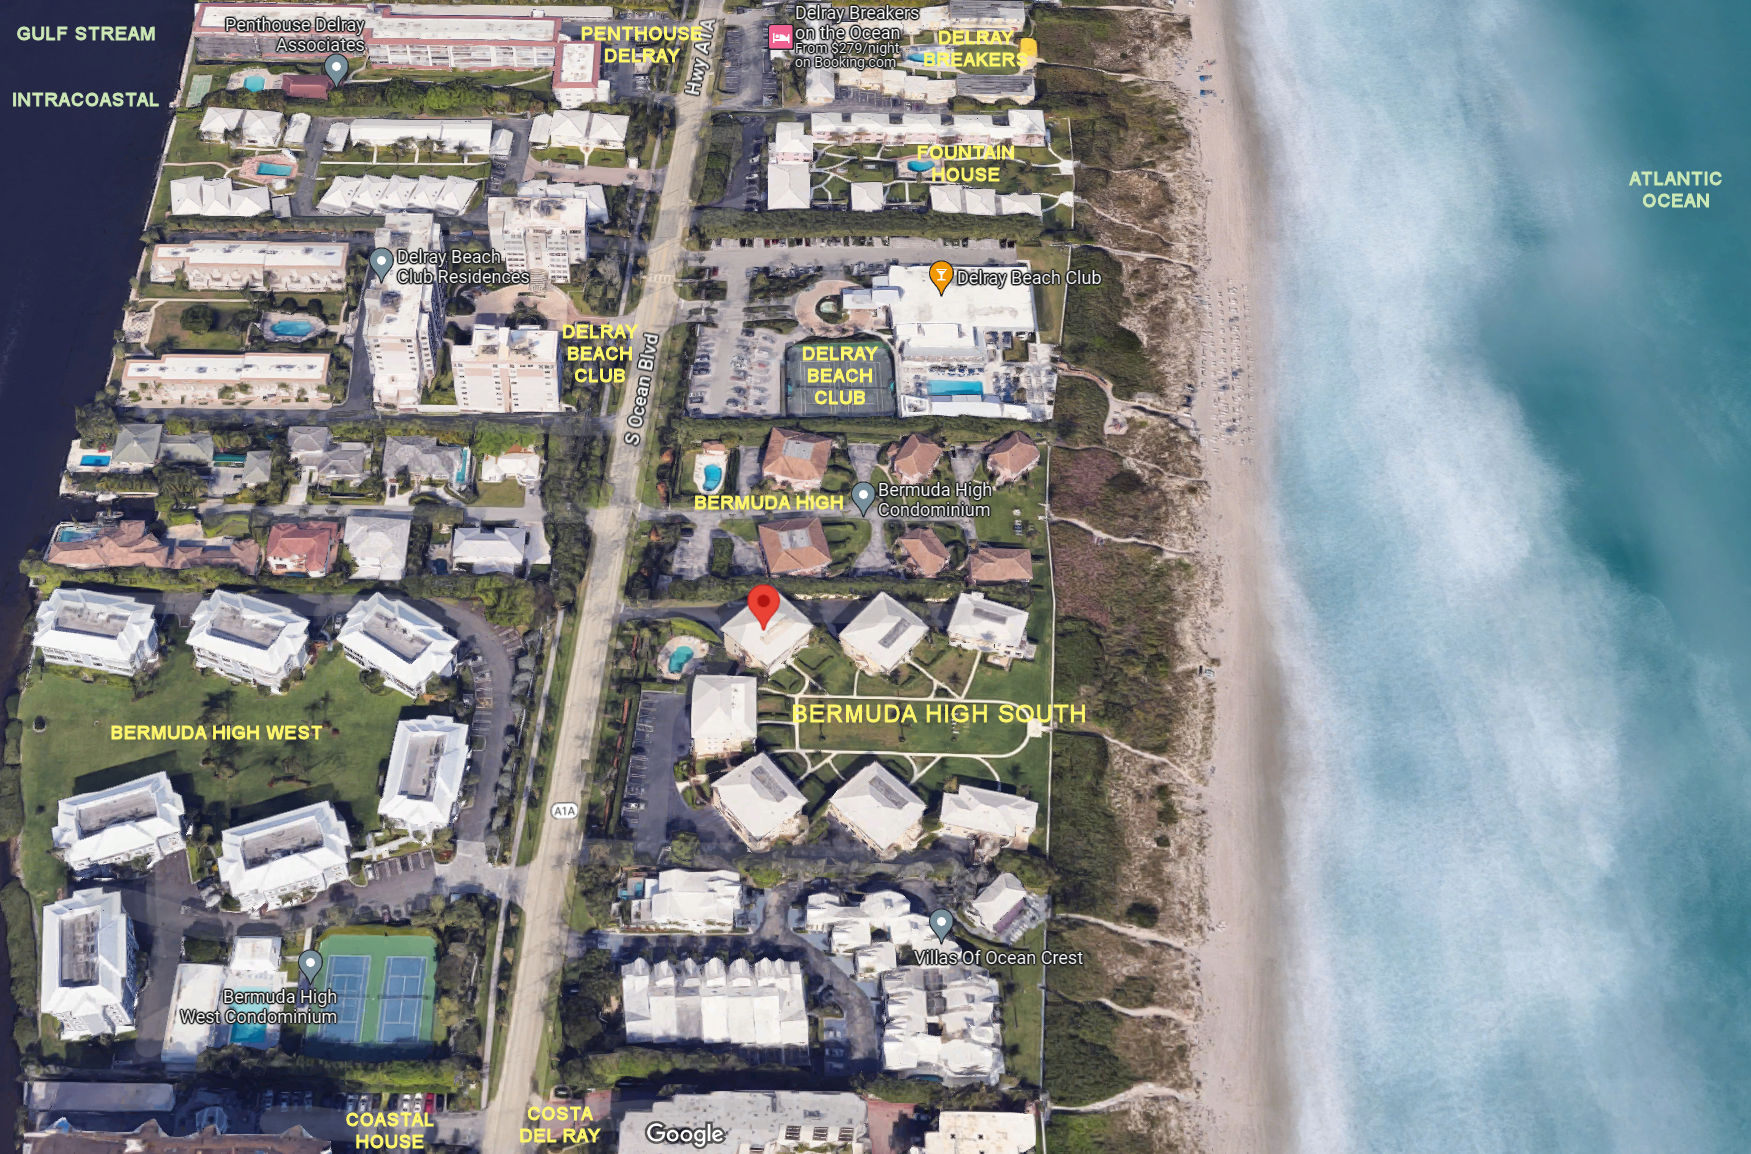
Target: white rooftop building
{"x": 587, "y": 130}
{"x": 981, "y": 1132}
{"x": 447, "y": 135}
{"x": 851, "y": 929}
{"x": 758, "y": 1006}
{"x": 236, "y": 264}
{"x": 284, "y": 860}
{"x": 523, "y": 465}
{"x": 137, "y": 821}
{"x": 378, "y": 544}
{"x": 771, "y": 1121}
{"x": 577, "y": 78}
{"x": 882, "y": 635}
{"x": 1001, "y": 911}
{"x": 689, "y": 902}
{"x": 990, "y": 627}
{"x": 502, "y": 549}
{"x": 722, "y": 714}
{"x": 216, "y": 122}
{"x": 791, "y": 143}
{"x": 206, "y": 378}
{"x": 877, "y": 807}
{"x": 787, "y": 631}
{"x": 868, "y": 196}
{"x": 217, "y": 196}
{"x": 248, "y": 639}
{"x": 973, "y": 812}
{"x": 383, "y": 195}
{"x": 94, "y": 630}
{"x": 942, "y": 1022}
{"x": 594, "y": 197}
{"x": 506, "y": 370}
{"x": 760, "y": 802}
{"x": 197, "y": 991}
{"x": 262, "y": 129}
{"x": 88, "y": 983}
{"x": 543, "y": 236}
{"x": 404, "y": 645}
{"x": 424, "y": 783}
{"x": 787, "y": 185}
{"x": 403, "y": 323}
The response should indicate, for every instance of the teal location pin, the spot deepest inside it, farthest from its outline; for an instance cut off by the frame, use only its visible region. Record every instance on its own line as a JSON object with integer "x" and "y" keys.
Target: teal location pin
{"x": 941, "y": 922}
{"x": 337, "y": 67}
{"x": 382, "y": 260}
{"x": 863, "y": 496}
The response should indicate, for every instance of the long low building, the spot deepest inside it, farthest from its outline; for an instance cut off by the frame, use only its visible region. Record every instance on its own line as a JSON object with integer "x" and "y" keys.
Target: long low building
{"x": 208, "y": 265}
{"x": 760, "y": 1006}
{"x": 204, "y": 378}
{"x": 1020, "y": 127}
{"x": 449, "y": 135}
{"x": 688, "y": 901}
{"x": 138, "y": 821}
{"x": 217, "y": 196}
{"x": 773, "y": 1121}
{"x": 284, "y": 860}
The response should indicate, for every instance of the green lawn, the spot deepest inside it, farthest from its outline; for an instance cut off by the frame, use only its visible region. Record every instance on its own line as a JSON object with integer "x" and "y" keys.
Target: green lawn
{"x": 1023, "y": 1005}
{"x": 500, "y": 494}
{"x": 1021, "y": 500}
{"x": 75, "y": 753}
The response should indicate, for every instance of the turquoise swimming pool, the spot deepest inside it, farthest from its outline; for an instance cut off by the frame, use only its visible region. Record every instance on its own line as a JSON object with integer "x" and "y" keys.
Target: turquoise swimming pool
{"x": 292, "y": 328}
{"x": 462, "y": 472}
{"x": 956, "y": 388}
{"x": 921, "y": 165}
{"x": 714, "y": 476}
{"x": 254, "y": 83}
{"x": 679, "y": 658}
{"x": 274, "y": 169}
{"x": 94, "y": 460}
{"x": 249, "y": 1033}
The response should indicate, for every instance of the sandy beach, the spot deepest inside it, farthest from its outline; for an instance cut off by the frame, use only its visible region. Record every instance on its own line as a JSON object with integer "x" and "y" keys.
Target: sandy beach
{"x": 1240, "y": 1053}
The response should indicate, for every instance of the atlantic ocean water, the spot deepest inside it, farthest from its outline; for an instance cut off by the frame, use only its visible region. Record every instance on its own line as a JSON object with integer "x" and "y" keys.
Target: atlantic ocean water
{"x": 1512, "y": 477}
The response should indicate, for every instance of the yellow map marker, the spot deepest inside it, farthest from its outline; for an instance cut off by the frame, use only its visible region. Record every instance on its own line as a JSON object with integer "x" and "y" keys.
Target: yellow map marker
{"x": 942, "y": 274}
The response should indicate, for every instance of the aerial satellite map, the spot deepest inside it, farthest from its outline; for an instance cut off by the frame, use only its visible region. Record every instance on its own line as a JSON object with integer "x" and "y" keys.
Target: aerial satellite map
{"x": 908, "y": 577}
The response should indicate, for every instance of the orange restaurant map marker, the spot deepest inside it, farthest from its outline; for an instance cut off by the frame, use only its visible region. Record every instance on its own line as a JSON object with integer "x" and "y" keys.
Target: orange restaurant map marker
{"x": 942, "y": 274}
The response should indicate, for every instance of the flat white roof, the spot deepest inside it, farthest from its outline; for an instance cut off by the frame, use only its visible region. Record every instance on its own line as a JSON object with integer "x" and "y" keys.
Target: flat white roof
{"x": 426, "y": 764}
{"x": 123, "y": 821}
{"x": 988, "y": 811}
{"x": 288, "y": 851}
{"x": 246, "y": 629}
{"x": 103, "y": 626}
{"x": 397, "y": 639}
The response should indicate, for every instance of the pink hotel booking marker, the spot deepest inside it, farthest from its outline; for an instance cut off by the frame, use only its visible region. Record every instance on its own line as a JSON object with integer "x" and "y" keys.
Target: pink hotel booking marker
{"x": 763, "y": 603}
{"x": 780, "y": 37}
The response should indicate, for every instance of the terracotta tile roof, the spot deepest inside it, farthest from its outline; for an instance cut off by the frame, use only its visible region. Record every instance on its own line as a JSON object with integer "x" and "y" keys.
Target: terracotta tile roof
{"x": 914, "y": 459}
{"x": 1010, "y": 456}
{"x": 793, "y": 456}
{"x": 120, "y": 545}
{"x": 989, "y": 563}
{"x": 923, "y": 551}
{"x": 307, "y": 547}
{"x": 794, "y": 545}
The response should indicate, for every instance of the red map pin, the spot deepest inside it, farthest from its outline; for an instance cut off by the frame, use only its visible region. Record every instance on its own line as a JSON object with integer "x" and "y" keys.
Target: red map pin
{"x": 763, "y": 603}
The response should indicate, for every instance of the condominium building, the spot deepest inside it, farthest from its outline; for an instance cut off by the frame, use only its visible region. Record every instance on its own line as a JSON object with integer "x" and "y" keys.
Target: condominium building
{"x": 771, "y": 1121}
{"x": 462, "y": 43}
{"x": 507, "y": 370}
{"x": 768, "y": 645}
{"x": 722, "y": 714}
{"x": 248, "y": 639}
{"x": 688, "y": 901}
{"x": 982, "y": 1131}
{"x": 404, "y": 323}
{"x": 578, "y": 79}
{"x": 759, "y": 802}
{"x": 879, "y": 810}
{"x": 89, "y": 980}
{"x": 756, "y": 1006}
{"x": 284, "y": 860}
{"x": 990, "y": 627}
{"x": 543, "y": 236}
{"x": 395, "y": 639}
{"x": 136, "y": 821}
{"x": 424, "y": 783}
{"x": 235, "y": 264}
{"x": 271, "y": 377}
{"x": 102, "y": 631}
{"x": 882, "y": 635}
{"x": 943, "y": 1023}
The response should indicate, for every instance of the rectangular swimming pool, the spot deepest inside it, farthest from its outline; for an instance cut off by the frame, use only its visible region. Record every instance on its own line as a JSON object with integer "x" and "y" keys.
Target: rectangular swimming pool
{"x": 274, "y": 169}
{"x": 971, "y": 388}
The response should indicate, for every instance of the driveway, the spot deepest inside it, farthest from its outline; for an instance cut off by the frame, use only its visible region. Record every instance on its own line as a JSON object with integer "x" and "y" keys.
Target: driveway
{"x": 661, "y": 737}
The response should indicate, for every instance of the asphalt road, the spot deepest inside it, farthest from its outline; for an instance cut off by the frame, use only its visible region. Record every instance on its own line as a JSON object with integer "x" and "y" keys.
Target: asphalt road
{"x": 549, "y": 883}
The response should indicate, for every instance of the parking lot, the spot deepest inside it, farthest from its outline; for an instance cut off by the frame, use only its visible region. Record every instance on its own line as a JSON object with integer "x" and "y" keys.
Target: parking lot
{"x": 326, "y": 1115}
{"x": 736, "y": 372}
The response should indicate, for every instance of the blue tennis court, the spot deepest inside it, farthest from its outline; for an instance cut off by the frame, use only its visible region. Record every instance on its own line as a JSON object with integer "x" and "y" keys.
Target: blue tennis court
{"x": 403, "y": 1000}
{"x": 345, "y": 975}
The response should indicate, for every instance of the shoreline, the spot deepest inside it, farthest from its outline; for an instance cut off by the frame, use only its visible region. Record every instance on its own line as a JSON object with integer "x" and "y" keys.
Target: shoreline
{"x": 1239, "y": 1055}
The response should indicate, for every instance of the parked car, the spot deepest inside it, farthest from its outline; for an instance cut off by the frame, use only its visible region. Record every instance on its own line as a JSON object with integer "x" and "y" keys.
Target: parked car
{"x": 431, "y": 1104}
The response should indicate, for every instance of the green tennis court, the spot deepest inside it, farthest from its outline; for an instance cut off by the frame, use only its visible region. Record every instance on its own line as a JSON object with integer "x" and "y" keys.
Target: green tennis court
{"x": 384, "y": 984}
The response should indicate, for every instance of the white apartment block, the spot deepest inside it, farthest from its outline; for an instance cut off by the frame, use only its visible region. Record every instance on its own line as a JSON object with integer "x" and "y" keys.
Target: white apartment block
{"x": 404, "y": 645}
{"x": 1020, "y": 127}
{"x": 981, "y": 1132}
{"x": 284, "y": 860}
{"x": 507, "y": 370}
{"x": 137, "y": 821}
{"x": 462, "y": 43}
{"x": 543, "y": 236}
{"x": 102, "y": 631}
{"x": 424, "y": 783}
{"x": 239, "y": 264}
{"x": 771, "y": 1121}
{"x": 689, "y": 902}
{"x": 404, "y": 323}
{"x": 248, "y": 639}
{"x": 209, "y": 378}
{"x": 759, "y": 1006}
{"x": 89, "y": 983}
